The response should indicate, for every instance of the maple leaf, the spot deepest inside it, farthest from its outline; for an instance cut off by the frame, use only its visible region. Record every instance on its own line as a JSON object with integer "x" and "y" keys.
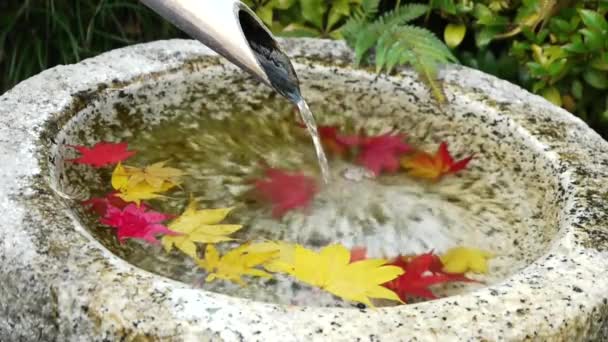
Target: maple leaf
{"x": 421, "y": 272}
{"x": 283, "y": 262}
{"x": 381, "y": 153}
{"x": 234, "y": 264}
{"x": 463, "y": 259}
{"x": 131, "y": 192}
{"x": 433, "y": 167}
{"x": 100, "y": 204}
{"x": 199, "y": 226}
{"x": 155, "y": 175}
{"x": 334, "y": 141}
{"x": 285, "y": 191}
{"x": 331, "y": 270}
{"x": 136, "y": 222}
{"x": 101, "y": 154}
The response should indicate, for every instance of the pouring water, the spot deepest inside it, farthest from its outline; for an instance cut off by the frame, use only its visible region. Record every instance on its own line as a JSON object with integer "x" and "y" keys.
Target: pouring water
{"x": 235, "y": 32}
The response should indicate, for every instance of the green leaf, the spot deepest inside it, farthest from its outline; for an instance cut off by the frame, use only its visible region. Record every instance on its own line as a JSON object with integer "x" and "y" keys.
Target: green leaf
{"x": 446, "y": 6}
{"x": 339, "y": 9}
{"x": 313, "y": 11}
{"x": 593, "y": 20}
{"x": 368, "y": 35}
{"x": 415, "y": 46}
{"x": 600, "y": 62}
{"x": 537, "y": 86}
{"x": 577, "y": 89}
{"x": 299, "y": 30}
{"x": 596, "y": 79}
{"x": 593, "y": 39}
{"x": 265, "y": 13}
{"x": 370, "y": 7}
{"x": 575, "y": 47}
{"x": 485, "y": 36}
{"x": 555, "y": 68}
{"x": 552, "y": 94}
{"x": 454, "y": 34}
{"x": 536, "y": 69}
{"x": 559, "y": 25}
{"x": 485, "y": 16}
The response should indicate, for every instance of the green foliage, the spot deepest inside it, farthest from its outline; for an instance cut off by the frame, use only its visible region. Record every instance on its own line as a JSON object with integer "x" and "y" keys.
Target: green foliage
{"x": 305, "y": 18}
{"x": 35, "y": 35}
{"x": 397, "y": 43}
{"x": 558, "y": 49}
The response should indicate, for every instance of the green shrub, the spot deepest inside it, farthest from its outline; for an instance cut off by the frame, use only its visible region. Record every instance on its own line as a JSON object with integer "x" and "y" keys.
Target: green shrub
{"x": 558, "y": 49}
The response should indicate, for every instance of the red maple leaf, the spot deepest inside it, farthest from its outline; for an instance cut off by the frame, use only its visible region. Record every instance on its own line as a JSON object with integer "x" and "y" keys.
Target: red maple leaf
{"x": 136, "y": 222}
{"x": 336, "y": 142}
{"x": 103, "y": 153}
{"x": 382, "y": 152}
{"x": 421, "y": 272}
{"x": 333, "y": 141}
{"x": 285, "y": 191}
{"x": 434, "y": 167}
{"x": 100, "y": 204}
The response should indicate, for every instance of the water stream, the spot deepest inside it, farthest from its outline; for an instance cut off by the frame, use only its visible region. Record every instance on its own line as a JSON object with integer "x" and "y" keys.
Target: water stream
{"x": 311, "y": 125}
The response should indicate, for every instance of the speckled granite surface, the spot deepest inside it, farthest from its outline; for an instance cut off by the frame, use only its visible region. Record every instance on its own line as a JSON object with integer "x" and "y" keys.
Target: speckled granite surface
{"x": 58, "y": 283}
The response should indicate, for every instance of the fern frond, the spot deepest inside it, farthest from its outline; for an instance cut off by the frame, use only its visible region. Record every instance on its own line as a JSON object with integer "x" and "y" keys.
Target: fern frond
{"x": 402, "y": 15}
{"x": 359, "y": 19}
{"x": 368, "y": 36}
{"x": 370, "y": 8}
{"x": 417, "y": 47}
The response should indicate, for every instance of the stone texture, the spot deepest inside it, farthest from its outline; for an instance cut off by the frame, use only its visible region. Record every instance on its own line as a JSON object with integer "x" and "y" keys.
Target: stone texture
{"x": 58, "y": 283}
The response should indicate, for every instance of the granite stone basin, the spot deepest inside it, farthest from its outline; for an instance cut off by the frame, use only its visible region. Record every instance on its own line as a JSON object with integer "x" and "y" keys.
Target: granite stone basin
{"x": 535, "y": 196}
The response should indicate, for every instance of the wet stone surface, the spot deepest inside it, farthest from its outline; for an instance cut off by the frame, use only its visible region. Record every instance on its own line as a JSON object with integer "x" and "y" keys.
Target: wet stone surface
{"x": 534, "y": 195}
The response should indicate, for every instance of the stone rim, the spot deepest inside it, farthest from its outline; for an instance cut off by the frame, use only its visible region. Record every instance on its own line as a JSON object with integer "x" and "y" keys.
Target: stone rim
{"x": 579, "y": 252}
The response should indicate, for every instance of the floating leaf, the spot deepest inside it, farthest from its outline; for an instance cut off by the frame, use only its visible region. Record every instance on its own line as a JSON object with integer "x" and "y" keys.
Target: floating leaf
{"x": 285, "y": 191}
{"x": 234, "y": 264}
{"x": 331, "y": 270}
{"x": 381, "y": 153}
{"x": 420, "y": 273}
{"x": 199, "y": 226}
{"x": 283, "y": 262}
{"x": 136, "y": 222}
{"x": 100, "y": 204}
{"x": 433, "y": 167}
{"x": 135, "y": 192}
{"x": 103, "y": 153}
{"x": 334, "y": 141}
{"x": 462, "y": 259}
{"x": 155, "y": 175}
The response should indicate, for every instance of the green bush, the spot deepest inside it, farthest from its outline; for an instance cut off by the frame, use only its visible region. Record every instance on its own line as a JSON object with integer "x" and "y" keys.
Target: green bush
{"x": 558, "y": 49}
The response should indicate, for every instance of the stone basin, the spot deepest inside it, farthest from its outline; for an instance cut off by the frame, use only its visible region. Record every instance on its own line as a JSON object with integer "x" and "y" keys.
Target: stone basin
{"x": 534, "y": 195}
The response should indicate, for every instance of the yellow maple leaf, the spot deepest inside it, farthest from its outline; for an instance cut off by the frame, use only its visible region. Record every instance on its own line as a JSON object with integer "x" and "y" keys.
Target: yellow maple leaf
{"x": 156, "y": 175}
{"x": 120, "y": 177}
{"x": 135, "y": 192}
{"x": 463, "y": 259}
{"x": 234, "y": 264}
{"x": 331, "y": 270}
{"x": 283, "y": 262}
{"x": 199, "y": 226}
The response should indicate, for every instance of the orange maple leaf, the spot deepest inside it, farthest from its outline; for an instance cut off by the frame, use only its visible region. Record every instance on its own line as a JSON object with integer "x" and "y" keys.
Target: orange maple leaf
{"x": 433, "y": 167}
